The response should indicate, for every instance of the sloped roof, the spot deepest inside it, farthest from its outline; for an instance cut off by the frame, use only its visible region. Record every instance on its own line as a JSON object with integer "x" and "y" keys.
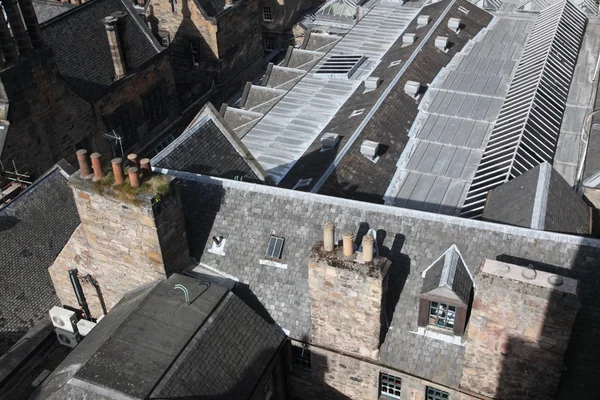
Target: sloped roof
{"x": 34, "y": 227}
{"x": 449, "y": 277}
{"x": 80, "y": 45}
{"x": 539, "y": 199}
{"x": 209, "y": 147}
{"x": 48, "y": 9}
{"x": 172, "y": 349}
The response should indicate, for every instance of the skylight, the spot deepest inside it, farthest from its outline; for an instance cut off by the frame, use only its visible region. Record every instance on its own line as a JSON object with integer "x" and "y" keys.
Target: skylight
{"x": 340, "y": 66}
{"x": 528, "y": 126}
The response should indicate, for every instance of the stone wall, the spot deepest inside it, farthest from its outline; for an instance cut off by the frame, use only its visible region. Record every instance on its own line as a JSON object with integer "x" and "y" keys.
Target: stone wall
{"x": 337, "y": 376}
{"x": 518, "y": 334}
{"x": 346, "y": 301}
{"x": 128, "y": 92}
{"x": 47, "y": 120}
{"x": 120, "y": 244}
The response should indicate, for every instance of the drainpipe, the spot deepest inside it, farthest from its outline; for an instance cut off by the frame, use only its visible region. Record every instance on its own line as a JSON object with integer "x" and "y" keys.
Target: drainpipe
{"x": 79, "y": 293}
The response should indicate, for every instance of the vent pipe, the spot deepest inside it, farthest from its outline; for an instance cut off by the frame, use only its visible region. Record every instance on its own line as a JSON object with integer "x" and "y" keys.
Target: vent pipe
{"x": 328, "y": 233}
{"x": 117, "y": 167}
{"x": 348, "y": 244}
{"x": 79, "y": 293}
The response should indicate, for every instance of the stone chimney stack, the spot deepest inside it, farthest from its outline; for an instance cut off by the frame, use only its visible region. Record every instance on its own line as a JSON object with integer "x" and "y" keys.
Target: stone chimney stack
{"x": 127, "y": 236}
{"x": 347, "y": 301}
{"x": 518, "y": 332}
{"x": 113, "y": 33}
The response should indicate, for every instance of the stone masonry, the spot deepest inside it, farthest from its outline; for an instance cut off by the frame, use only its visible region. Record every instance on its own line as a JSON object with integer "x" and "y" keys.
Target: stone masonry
{"x": 347, "y": 301}
{"x": 338, "y": 376}
{"x": 519, "y": 329}
{"x": 120, "y": 245}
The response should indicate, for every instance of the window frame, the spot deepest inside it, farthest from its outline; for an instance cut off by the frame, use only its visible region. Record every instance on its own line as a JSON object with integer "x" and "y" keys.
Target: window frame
{"x": 267, "y": 11}
{"x": 445, "y": 318}
{"x": 270, "y": 256}
{"x": 301, "y": 361}
{"x": 396, "y": 386}
{"x": 271, "y": 41}
{"x": 154, "y": 102}
{"x": 437, "y": 394}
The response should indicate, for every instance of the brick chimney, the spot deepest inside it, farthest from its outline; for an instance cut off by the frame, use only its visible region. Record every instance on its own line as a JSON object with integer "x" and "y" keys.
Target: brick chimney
{"x": 127, "y": 237}
{"x": 347, "y": 300}
{"x": 519, "y": 329}
{"x": 115, "y": 41}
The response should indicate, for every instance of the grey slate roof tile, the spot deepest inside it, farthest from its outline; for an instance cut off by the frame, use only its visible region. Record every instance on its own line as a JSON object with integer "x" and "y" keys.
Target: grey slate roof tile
{"x": 80, "y": 45}
{"x": 48, "y": 9}
{"x": 34, "y": 228}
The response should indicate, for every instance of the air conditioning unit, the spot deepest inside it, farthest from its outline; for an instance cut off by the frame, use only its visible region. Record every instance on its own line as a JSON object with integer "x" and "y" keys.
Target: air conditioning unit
{"x": 67, "y": 338}
{"x": 63, "y": 319}
{"x": 84, "y": 327}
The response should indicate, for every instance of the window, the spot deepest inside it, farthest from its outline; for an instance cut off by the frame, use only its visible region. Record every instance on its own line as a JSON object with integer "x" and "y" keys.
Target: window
{"x": 155, "y": 108}
{"x": 269, "y": 43}
{"x": 442, "y": 315}
{"x": 389, "y": 386}
{"x": 195, "y": 52}
{"x": 173, "y": 6}
{"x": 275, "y": 246}
{"x": 436, "y": 394}
{"x": 267, "y": 14}
{"x": 301, "y": 358}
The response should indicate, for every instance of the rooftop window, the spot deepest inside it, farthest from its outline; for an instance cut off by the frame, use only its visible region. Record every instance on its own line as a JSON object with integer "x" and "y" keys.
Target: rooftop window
{"x": 442, "y": 315}
{"x": 275, "y": 247}
{"x": 340, "y": 66}
{"x": 436, "y": 394}
{"x": 301, "y": 358}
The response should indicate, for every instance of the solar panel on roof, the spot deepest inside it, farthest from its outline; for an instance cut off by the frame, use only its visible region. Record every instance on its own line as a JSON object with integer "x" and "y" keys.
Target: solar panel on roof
{"x": 527, "y": 129}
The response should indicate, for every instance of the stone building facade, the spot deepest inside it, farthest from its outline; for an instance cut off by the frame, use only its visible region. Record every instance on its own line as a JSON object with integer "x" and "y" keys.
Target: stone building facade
{"x": 216, "y": 46}
{"x": 62, "y": 92}
{"x": 278, "y": 19}
{"x": 121, "y": 245}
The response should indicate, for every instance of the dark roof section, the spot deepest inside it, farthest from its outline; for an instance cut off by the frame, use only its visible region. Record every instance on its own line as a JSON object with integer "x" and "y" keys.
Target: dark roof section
{"x": 356, "y": 176}
{"x": 236, "y": 335}
{"x": 48, "y": 9}
{"x": 211, "y": 7}
{"x": 449, "y": 277}
{"x": 34, "y": 228}
{"x": 208, "y": 147}
{"x": 152, "y": 342}
{"x": 539, "y": 199}
{"x": 78, "y": 40}
{"x": 411, "y": 239}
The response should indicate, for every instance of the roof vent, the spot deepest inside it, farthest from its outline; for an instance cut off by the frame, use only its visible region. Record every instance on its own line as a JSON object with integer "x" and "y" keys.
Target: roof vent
{"x": 372, "y": 82}
{"x": 409, "y": 38}
{"x": 423, "y": 20}
{"x": 441, "y": 42}
{"x": 340, "y": 67}
{"x": 369, "y": 149}
{"x": 329, "y": 141}
{"x": 412, "y": 88}
{"x": 454, "y": 24}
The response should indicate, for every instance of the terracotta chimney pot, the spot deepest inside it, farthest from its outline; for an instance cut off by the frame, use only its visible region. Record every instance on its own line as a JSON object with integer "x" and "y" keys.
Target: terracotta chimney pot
{"x": 97, "y": 165}
{"x": 134, "y": 177}
{"x": 328, "y": 231}
{"x": 348, "y": 244}
{"x": 84, "y": 165}
{"x": 367, "y": 245}
{"x": 117, "y": 167}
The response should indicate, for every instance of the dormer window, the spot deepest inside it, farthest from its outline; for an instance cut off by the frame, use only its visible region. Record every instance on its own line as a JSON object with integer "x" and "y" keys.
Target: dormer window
{"x": 446, "y": 293}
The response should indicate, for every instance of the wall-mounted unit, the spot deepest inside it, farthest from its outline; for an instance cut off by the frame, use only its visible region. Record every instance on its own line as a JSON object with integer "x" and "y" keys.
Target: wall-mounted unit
{"x": 66, "y": 338}
{"x": 63, "y": 319}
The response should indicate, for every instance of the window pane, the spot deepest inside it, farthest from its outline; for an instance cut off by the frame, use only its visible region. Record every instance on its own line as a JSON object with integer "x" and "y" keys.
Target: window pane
{"x": 436, "y": 394}
{"x": 442, "y": 315}
{"x": 271, "y": 247}
{"x": 389, "y": 386}
{"x": 278, "y": 246}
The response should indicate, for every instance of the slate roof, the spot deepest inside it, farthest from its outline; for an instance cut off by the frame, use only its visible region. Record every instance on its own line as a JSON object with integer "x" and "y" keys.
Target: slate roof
{"x": 34, "y": 227}
{"x": 448, "y": 276}
{"x": 167, "y": 345}
{"x": 48, "y": 9}
{"x": 246, "y": 215}
{"x": 80, "y": 45}
{"x": 208, "y": 147}
{"x": 540, "y": 199}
